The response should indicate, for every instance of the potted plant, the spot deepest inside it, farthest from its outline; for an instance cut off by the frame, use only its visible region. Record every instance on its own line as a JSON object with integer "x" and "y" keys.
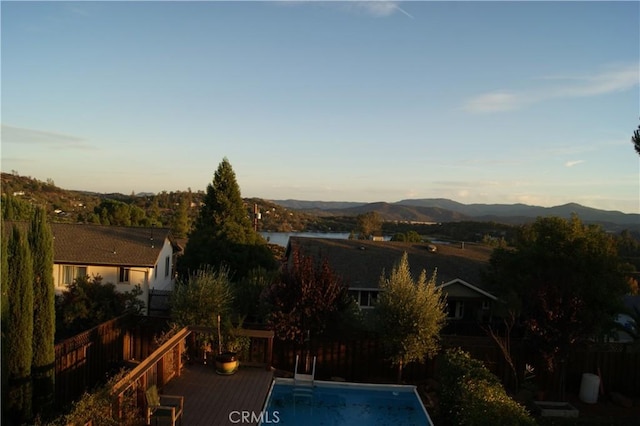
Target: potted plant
{"x": 226, "y": 360}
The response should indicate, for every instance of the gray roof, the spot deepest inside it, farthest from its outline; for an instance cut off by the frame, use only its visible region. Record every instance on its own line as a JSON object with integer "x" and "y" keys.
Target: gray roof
{"x": 108, "y": 245}
{"x": 361, "y": 263}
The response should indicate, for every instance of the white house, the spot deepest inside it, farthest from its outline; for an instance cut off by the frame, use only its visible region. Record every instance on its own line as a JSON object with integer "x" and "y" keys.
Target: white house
{"x": 124, "y": 256}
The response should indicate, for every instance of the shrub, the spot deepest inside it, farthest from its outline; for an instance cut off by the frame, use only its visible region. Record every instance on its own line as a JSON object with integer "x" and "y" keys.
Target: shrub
{"x": 96, "y": 408}
{"x": 471, "y": 395}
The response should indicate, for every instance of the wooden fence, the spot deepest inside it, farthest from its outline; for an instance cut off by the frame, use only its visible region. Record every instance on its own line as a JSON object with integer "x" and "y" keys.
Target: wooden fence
{"x": 363, "y": 360}
{"x": 87, "y": 359}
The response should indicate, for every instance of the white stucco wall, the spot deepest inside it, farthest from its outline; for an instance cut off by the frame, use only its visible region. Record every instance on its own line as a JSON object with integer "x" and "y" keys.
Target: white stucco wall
{"x": 158, "y": 277}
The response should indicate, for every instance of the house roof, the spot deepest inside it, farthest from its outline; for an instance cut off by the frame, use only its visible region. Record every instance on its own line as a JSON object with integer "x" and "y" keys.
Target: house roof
{"x": 83, "y": 244}
{"x": 463, "y": 283}
{"x": 360, "y": 263}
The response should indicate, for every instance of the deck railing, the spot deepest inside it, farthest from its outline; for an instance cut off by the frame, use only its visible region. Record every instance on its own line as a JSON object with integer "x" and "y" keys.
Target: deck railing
{"x": 162, "y": 365}
{"x": 167, "y": 362}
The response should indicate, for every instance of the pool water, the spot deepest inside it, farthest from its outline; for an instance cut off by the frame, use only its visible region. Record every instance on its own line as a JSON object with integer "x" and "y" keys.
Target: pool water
{"x": 333, "y": 404}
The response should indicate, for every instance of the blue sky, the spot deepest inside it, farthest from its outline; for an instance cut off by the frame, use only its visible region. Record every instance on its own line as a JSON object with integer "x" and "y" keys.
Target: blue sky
{"x": 489, "y": 102}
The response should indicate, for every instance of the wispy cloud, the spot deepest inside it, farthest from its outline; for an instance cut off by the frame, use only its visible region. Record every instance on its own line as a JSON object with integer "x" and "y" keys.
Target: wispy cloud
{"x": 375, "y": 8}
{"x": 612, "y": 80}
{"x": 573, "y": 163}
{"x": 18, "y": 135}
{"x": 381, "y": 8}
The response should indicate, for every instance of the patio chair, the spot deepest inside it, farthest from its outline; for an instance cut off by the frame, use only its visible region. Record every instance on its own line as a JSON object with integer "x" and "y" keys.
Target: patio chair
{"x": 163, "y": 406}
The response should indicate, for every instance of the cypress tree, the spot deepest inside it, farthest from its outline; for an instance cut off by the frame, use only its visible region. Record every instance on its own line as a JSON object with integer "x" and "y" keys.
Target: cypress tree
{"x": 44, "y": 321}
{"x": 19, "y": 331}
{"x": 4, "y": 306}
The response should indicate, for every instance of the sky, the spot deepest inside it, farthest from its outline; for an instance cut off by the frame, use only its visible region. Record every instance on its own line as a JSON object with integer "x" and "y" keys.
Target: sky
{"x": 478, "y": 102}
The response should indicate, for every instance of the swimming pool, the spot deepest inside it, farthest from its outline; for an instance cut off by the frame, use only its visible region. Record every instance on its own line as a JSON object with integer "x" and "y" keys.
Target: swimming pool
{"x": 336, "y": 403}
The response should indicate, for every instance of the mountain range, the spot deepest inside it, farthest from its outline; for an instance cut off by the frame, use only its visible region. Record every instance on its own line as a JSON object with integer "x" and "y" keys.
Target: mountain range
{"x": 446, "y": 210}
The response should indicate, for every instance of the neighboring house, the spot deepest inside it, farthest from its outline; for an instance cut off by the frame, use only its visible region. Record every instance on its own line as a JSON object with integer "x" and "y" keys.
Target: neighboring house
{"x": 627, "y": 328}
{"x": 124, "y": 256}
{"x": 361, "y": 263}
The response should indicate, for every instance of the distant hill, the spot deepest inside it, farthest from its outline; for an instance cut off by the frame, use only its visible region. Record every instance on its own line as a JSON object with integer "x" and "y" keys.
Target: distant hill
{"x": 445, "y": 210}
{"x": 316, "y": 205}
{"x": 404, "y": 213}
{"x": 486, "y": 211}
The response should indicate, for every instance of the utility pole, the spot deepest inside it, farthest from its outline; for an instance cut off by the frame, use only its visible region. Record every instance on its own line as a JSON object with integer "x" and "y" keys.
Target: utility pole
{"x": 256, "y": 216}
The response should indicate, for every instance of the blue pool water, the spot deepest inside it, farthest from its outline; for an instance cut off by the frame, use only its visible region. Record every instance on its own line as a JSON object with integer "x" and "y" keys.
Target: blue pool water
{"x": 334, "y": 404}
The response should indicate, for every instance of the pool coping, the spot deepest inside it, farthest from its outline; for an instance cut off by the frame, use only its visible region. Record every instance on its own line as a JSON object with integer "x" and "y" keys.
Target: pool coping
{"x": 371, "y": 386}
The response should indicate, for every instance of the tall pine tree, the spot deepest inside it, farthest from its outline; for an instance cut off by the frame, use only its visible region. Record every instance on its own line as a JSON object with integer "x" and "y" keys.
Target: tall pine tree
{"x": 223, "y": 233}
{"x": 19, "y": 330}
{"x": 44, "y": 321}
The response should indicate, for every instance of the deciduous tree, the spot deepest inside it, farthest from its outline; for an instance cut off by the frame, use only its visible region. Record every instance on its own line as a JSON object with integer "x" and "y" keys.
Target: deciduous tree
{"x": 199, "y": 298}
{"x": 409, "y": 315}
{"x": 88, "y": 302}
{"x": 306, "y": 299}
{"x": 566, "y": 281}
{"x": 369, "y": 224}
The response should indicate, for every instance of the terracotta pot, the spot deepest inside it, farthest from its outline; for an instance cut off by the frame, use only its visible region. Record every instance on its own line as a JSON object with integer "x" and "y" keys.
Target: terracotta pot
{"x": 227, "y": 363}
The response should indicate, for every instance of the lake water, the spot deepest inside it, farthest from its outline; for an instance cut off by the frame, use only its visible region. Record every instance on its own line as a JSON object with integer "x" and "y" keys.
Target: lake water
{"x": 282, "y": 238}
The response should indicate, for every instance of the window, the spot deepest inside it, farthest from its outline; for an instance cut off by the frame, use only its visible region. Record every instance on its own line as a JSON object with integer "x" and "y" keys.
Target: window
{"x": 70, "y": 273}
{"x": 167, "y": 266}
{"x": 364, "y": 298}
{"x": 455, "y": 309}
{"x": 123, "y": 275}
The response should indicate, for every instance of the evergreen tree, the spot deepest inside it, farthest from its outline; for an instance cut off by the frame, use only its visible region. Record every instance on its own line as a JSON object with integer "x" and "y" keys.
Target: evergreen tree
{"x": 409, "y": 315}
{"x": 19, "y": 330}
{"x": 4, "y": 306}
{"x": 14, "y": 208}
{"x": 180, "y": 219}
{"x": 223, "y": 233}
{"x": 44, "y": 325}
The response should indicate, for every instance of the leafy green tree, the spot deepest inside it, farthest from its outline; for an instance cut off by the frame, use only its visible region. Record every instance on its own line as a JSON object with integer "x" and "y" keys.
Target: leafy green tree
{"x": 44, "y": 322}
{"x": 407, "y": 237}
{"x": 368, "y": 224}
{"x": 223, "y": 233}
{"x": 305, "y": 299}
{"x": 19, "y": 329}
{"x": 566, "y": 282}
{"x": 409, "y": 315}
{"x": 201, "y": 297}
{"x": 248, "y": 291}
{"x": 89, "y": 302}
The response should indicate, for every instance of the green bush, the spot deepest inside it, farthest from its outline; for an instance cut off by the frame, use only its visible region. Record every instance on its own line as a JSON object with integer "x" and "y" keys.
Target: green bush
{"x": 471, "y": 395}
{"x": 96, "y": 407}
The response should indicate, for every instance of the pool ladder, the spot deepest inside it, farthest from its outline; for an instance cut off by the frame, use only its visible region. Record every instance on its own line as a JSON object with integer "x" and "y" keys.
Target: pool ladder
{"x": 304, "y": 379}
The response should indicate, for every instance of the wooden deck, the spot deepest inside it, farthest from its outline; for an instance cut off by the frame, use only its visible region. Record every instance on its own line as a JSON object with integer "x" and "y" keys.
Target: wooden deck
{"x": 209, "y": 398}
